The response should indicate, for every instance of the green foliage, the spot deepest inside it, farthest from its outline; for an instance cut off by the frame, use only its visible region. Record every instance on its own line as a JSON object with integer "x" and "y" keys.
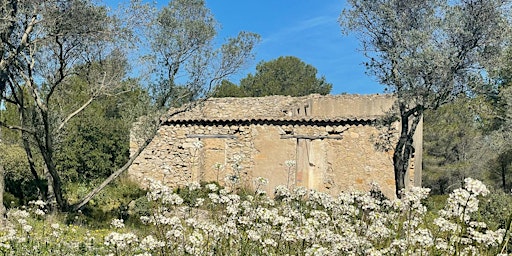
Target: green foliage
{"x": 140, "y": 207}
{"x": 192, "y": 192}
{"x": 282, "y": 76}
{"x": 454, "y": 146}
{"x": 114, "y": 202}
{"x": 228, "y": 89}
{"x": 500, "y": 169}
{"x": 495, "y": 209}
{"x": 45, "y": 46}
{"x": 9, "y": 115}
{"x": 19, "y": 182}
{"x": 96, "y": 141}
{"x": 11, "y": 201}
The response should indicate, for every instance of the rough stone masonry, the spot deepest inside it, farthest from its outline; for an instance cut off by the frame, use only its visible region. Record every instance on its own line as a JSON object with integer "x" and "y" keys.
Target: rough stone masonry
{"x": 329, "y": 143}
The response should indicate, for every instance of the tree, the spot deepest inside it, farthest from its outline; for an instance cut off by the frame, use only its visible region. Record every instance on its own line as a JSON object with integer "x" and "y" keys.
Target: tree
{"x": 501, "y": 169}
{"x": 454, "y": 144}
{"x": 501, "y": 164}
{"x": 282, "y": 76}
{"x": 96, "y": 142}
{"x": 501, "y": 129}
{"x": 426, "y": 53}
{"x": 228, "y": 89}
{"x": 185, "y": 67}
{"x": 42, "y": 43}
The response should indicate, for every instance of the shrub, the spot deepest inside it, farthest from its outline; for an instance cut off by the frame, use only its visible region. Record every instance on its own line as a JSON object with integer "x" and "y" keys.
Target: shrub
{"x": 496, "y": 209}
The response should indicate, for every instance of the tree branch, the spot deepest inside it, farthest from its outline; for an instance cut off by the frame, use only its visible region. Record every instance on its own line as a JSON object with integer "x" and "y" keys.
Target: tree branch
{"x": 76, "y": 112}
{"x": 16, "y": 127}
{"x": 114, "y": 175}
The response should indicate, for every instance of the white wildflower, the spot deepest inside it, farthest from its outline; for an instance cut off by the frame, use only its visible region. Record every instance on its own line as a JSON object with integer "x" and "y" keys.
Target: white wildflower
{"x": 145, "y": 219}
{"x": 446, "y": 226}
{"x": 194, "y": 185}
{"x": 281, "y": 191}
{"x": 197, "y": 144}
{"x": 269, "y": 242}
{"x": 143, "y": 254}
{"x": 5, "y": 246}
{"x": 22, "y": 221}
{"x": 117, "y": 223}
{"x": 39, "y": 212}
{"x": 18, "y": 214}
{"x": 38, "y": 203}
{"x": 423, "y": 238}
{"x": 150, "y": 243}
{"x": 120, "y": 240}
{"x": 475, "y": 186}
{"x": 261, "y": 181}
{"x": 173, "y": 234}
{"x": 27, "y": 228}
{"x": 196, "y": 239}
{"x": 172, "y": 199}
{"x": 317, "y": 250}
{"x": 199, "y": 202}
{"x": 212, "y": 187}
{"x": 214, "y": 198}
{"x": 290, "y": 163}
{"x": 253, "y": 235}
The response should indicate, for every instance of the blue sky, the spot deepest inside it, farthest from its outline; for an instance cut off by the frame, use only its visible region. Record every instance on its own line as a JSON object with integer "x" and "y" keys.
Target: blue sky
{"x": 302, "y": 28}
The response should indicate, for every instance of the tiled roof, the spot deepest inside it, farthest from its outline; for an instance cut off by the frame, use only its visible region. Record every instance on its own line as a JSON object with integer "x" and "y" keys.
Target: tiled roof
{"x": 282, "y": 120}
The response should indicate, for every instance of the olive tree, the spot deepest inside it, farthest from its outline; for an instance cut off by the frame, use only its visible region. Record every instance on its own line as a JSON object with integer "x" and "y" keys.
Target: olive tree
{"x": 426, "y": 53}
{"x": 184, "y": 66}
{"x": 42, "y": 45}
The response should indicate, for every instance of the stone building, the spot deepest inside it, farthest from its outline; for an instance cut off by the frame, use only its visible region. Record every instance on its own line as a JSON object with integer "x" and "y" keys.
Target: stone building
{"x": 328, "y": 143}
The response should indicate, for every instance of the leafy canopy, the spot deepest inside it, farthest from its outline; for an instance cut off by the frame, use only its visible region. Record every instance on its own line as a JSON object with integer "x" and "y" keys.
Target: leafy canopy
{"x": 283, "y": 76}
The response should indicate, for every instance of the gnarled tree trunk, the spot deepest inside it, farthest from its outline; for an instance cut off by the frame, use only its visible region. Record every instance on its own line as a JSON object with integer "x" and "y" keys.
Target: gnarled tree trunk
{"x": 404, "y": 148}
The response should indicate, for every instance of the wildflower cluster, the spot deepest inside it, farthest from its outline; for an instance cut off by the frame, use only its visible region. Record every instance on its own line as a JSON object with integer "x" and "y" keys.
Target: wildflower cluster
{"x": 296, "y": 221}
{"x": 31, "y": 231}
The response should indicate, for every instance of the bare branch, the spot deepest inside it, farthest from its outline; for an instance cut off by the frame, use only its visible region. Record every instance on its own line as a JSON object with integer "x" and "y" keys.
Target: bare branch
{"x": 76, "y": 112}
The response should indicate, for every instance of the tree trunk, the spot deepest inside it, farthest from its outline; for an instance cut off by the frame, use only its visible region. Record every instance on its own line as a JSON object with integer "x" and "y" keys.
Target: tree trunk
{"x": 32, "y": 166}
{"x": 45, "y": 145}
{"x": 2, "y": 188}
{"x": 503, "y": 176}
{"x": 54, "y": 182}
{"x": 404, "y": 149}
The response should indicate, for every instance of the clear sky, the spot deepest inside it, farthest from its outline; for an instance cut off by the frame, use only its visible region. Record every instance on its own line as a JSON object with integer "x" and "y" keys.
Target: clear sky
{"x": 305, "y": 29}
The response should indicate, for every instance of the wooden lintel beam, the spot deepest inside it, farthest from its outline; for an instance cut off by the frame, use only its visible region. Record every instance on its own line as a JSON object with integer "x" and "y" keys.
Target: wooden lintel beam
{"x": 211, "y": 136}
{"x": 312, "y": 137}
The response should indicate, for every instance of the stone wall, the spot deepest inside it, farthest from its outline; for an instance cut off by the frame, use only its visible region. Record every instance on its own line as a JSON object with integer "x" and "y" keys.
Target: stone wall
{"x": 261, "y": 137}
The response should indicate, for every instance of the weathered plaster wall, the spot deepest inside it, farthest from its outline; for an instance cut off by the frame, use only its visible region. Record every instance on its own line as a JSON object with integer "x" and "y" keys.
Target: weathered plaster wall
{"x": 271, "y": 154}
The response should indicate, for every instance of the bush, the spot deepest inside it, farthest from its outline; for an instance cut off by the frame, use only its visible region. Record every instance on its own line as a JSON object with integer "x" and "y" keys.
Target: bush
{"x": 19, "y": 182}
{"x": 112, "y": 202}
{"x": 496, "y": 209}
